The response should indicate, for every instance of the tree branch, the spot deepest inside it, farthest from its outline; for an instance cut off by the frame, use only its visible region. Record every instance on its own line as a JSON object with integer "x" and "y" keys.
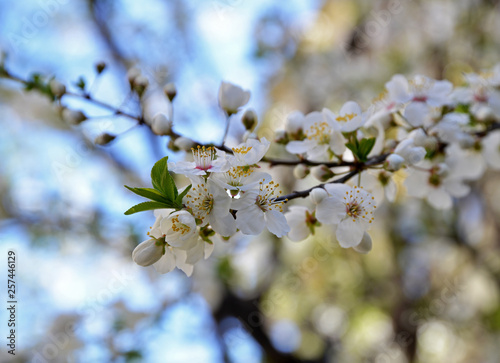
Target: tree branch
{"x": 359, "y": 168}
{"x": 248, "y": 313}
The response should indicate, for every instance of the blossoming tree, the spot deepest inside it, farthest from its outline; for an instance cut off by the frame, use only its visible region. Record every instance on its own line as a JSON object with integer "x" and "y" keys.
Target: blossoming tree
{"x": 436, "y": 136}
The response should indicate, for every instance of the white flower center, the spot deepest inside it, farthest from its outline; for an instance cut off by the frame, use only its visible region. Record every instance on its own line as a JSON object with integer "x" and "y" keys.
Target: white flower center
{"x": 320, "y": 132}
{"x": 203, "y": 157}
{"x": 242, "y": 150}
{"x": 179, "y": 227}
{"x": 347, "y": 117}
{"x": 357, "y": 207}
{"x": 200, "y": 201}
{"x": 237, "y": 174}
{"x": 266, "y": 198}
{"x": 420, "y": 87}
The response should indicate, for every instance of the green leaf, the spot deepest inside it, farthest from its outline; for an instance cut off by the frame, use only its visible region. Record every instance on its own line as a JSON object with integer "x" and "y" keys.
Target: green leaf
{"x": 353, "y": 148}
{"x": 183, "y": 194}
{"x": 149, "y": 193}
{"x": 144, "y": 206}
{"x": 365, "y": 146}
{"x": 81, "y": 83}
{"x": 462, "y": 108}
{"x": 162, "y": 180}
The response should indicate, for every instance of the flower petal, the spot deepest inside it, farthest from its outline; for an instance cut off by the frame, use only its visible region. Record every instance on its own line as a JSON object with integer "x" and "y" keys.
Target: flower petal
{"x": 166, "y": 263}
{"x": 276, "y": 223}
{"x": 330, "y": 210}
{"x": 250, "y": 220}
{"x": 350, "y": 233}
{"x": 223, "y": 225}
{"x": 439, "y": 199}
{"x": 365, "y": 245}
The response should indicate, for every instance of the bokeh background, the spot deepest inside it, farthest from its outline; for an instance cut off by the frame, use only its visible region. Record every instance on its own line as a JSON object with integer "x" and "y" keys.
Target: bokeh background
{"x": 429, "y": 290}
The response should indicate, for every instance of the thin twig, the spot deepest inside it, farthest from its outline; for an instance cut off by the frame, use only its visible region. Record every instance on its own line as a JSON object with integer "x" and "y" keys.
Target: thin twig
{"x": 359, "y": 168}
{"x": 305, "y": 193}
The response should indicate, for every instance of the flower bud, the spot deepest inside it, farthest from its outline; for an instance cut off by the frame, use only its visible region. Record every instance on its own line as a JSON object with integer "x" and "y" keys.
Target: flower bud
{"x": 99, "y": 67}
{"x": 232, "y": 97}
{"x": 442, "y": 170}
{"x": 170, "y": 91}
{"x": 301, "y": 171}
{"x": 104, "y": 139}
{"x": 394, "y": 162}
{"x": 249, "y": 120}
{"x": 483, "y": 112}
{"x": 132, "y": 74}
{"x": 390, "y": 144}
{"x": 431, "y": 143}
{"x": 294, "y": 122}
{"x": 419, "y": 136}
{"x": 183, "y": 143}
{"x": 148, "y": 252}
{"x": 57, "y": 88}
{"x": 466, "y": 141}
{"x": 161, "y": 125}
{"x": 365, "y": 245}
{"x": 280, "y": 137}
{"x": 73, "y": 117}
{"x": 171, "y": 145}
{"x": 140, "y": 84}
{"x": 415, "y": 155}
{"x": 322, "y": 173}
{"x": 317, "y": 195}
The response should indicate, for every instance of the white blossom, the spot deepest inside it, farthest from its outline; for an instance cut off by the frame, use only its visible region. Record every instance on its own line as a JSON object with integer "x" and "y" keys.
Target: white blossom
{"x": 394, "y": 162}
{"x": 206, "y": 160}
{"x": 301, "y": 171}
{"x": 451, "y": 129}
{"x": 380, "y": 184}
{"x": 241, "y": 178}
{"x": 382, "y": 109}
{"x": 467, "y": 164}
{"x": 321, "y": 134}
{"x": 317, "y": 195}
{"x": 232, "y": 97}
{"x": 257, "y": 209}
{"x": 482, "y": 95}
{"x": 322, "y": 173}
{"x": 421, "y": 92}
{"x": 161, "y": 125}
{"x": 491, "y": 149}
{"x": 350, "y": 117}
{"x": 301, "y": 220}
{"x": 420, "y": 89}
{"x": 184, "y": 143}
{"x": 148, "y": 252}
{"x": 435, "y": 184}
{"x": 351, "y": 208}
{"x": 409, "y": 152}
{"x": 250, "y": 152}
{"x": 209, "y": 203}
{"x": 294, "y": 122}
{"x": 176, "y": 233}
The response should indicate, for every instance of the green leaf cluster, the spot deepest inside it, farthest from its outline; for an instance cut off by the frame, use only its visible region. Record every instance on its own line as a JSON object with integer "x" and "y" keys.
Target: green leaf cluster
{"x": 41, "y": 84}
{"x": 361, "y": 148}
{"x": 164, "y": 193}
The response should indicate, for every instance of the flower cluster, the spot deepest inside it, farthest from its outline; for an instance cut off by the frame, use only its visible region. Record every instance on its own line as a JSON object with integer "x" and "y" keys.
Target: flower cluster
{"x": 227, "y": 192}
{"x": 435, "y": 136}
